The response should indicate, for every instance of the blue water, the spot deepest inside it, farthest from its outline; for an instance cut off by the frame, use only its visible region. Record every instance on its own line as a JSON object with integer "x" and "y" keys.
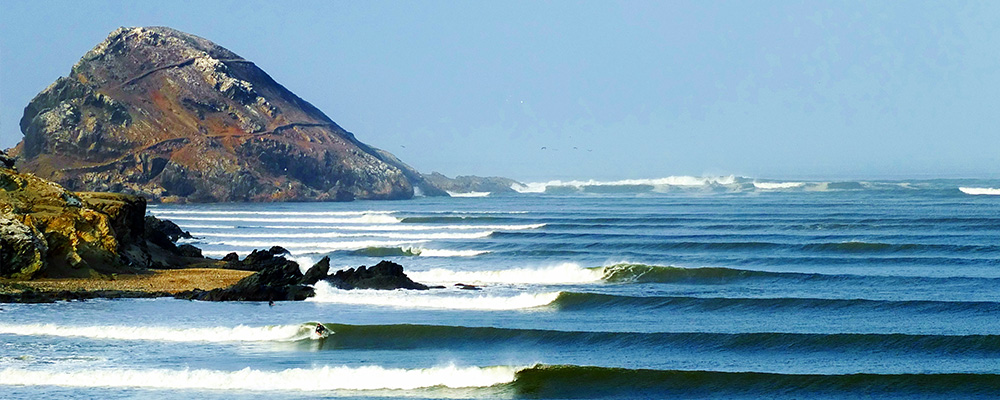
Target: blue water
{"x": 887, "y": 291}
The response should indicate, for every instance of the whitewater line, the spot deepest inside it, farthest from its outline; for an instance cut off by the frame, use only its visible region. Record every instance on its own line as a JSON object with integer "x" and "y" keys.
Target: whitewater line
{"x": 409, "y": 236}
{"x": 435, "y": 299}
{"x": 294, "y": 379}
{"x": 239, "y": 333}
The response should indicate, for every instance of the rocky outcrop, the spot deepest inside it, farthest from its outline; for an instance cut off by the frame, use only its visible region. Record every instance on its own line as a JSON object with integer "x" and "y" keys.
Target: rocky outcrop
{"x": 174, "y": 117}
{"x": 469, "y": 183}
{"x": 48, "y": 231}
{"x": 276, "y": 279}
{"x": 385, "y": 275}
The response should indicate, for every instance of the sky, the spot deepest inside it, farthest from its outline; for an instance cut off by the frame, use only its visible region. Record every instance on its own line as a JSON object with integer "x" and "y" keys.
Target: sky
{"x": 538, "y": 90}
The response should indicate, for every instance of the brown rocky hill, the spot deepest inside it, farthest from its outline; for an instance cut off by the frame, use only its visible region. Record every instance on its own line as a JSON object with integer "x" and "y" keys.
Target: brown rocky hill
{"x": 174, "y": 117}
{"x": 50, "y": 232}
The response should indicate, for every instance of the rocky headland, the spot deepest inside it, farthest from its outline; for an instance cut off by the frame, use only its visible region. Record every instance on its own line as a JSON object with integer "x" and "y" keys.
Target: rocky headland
{"x": 171, "y": 116}
{"x": 47, "y": 231}
{"x": 57, "y": 244}
{"x": 471, "y": 183}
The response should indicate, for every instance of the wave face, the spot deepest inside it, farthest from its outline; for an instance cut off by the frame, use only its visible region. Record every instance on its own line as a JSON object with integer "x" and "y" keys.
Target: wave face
{"x": 687, "y": 287}
{"x": 412, "y": 336}
{"x": 567, "y": 381}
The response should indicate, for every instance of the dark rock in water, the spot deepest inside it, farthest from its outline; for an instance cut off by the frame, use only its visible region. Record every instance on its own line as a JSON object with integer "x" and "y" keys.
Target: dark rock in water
{"x": 276, "y": 250}
{"x": 277, "y": 279}
{"x": 385, "y": 275}
{"x": 164, "y": 228}
{"x": 174, "y": 117}
{"x": 317, "y": 272}
{"x": 188, "y": 250}
{"x": 231, "y": 257}
{"x": 467, "y": 287}
{"x": 258, "y": 260}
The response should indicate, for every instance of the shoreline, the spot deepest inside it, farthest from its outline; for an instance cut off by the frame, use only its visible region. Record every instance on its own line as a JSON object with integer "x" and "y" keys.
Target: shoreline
{"x": 155, "y": 283}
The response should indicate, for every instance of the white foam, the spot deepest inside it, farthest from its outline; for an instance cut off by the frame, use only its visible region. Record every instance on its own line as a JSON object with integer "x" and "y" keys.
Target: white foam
{"x": 412, "y": 227}
{"x": 778, "y": 185}
{"x": 294, "y": 379}
{"x": 364, "y": 219}
{"x": 980, "y": 191}
{"x": 389, "y": 235}
{"x": 301, "y": 247}
{"x": 283, "y": 213}
{"x": 689, "y": 181}
{"x": 444, "y": 253}
{"x": 562, "y": 274}
{"x": 239, "y": 333}
{"x": 468, "y": 194}
{"x": 431, "y": 299}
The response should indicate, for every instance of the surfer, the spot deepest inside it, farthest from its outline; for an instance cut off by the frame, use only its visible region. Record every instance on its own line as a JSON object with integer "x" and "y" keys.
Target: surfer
{"x": 320, "y": 330}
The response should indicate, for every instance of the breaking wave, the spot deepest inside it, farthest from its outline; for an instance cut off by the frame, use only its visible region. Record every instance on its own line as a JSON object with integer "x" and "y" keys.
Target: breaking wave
{"x": 410, "y": 227}
{"x": 433, "y": 299}
{"x": 295, "y": 379}
{"x": 562, "y": 274}
{"x": 281, "y": 213}
{"x": 363, "y": 219}
{"x": 778, "y": 185}
{"x": 240, "y": 333}
{"x": 468, "y": 194}
{"x": 651, "y": 184}
{"x": 409, "y": 251}
{"x": 390, "y": 235}
{"x": 980, "y": 191}
{"x": 537, "y": 381}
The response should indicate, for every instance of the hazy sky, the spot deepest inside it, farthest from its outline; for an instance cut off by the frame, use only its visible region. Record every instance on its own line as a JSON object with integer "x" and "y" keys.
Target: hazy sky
{"x": 773, "y": 89}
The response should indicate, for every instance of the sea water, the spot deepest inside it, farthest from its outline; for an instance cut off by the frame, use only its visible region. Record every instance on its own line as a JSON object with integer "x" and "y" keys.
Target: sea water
{"x": 678, "y": 287}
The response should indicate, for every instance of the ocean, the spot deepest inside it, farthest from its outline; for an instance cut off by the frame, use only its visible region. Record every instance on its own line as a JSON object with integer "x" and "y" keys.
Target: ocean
{"x": 679, "y": 287}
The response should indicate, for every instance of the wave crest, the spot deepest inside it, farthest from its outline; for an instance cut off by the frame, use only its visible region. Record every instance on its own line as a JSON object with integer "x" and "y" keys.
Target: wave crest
{"x": 432, "y": 299}
{"x": 295, "y": 379}
{"x": 240, "y": 333}
{"x": 980, "y": 191}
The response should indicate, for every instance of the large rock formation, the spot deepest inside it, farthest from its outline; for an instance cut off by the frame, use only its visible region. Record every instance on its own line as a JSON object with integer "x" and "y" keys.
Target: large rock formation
{"x": 174, "y": 117}
{"x": 386, "y": 275}
{"x": 48, "y": 231}
{"x": 277, "y": 278}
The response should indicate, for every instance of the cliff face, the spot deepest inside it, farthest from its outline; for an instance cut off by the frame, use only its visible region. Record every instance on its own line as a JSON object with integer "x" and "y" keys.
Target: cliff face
{"x": 48, "y": 231}
{"x": 174, "y": 117}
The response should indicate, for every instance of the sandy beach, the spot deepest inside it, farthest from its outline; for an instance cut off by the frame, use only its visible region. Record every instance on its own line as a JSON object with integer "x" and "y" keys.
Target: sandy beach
{"x": 170, "y": 281}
